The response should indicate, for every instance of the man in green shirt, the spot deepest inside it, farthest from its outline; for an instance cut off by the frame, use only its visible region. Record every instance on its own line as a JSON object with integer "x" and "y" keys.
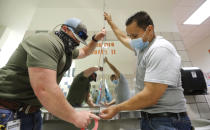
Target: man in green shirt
{"x": 80, "y": 88}
{"x": 30, "y": 78}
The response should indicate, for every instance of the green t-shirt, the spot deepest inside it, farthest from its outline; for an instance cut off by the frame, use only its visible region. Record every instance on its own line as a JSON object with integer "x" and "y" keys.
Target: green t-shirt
{"x": 44, "y": 50}
{"x": 79, "y": 90}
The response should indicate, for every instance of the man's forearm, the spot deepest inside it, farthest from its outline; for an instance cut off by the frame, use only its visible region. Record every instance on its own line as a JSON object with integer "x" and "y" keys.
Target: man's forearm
{"x": 149, "y": 96}
{"x": 116, "y": 71}
{"x": 139, "y": 101}
{"x": 90, "y": 47}
{"x": 121, "y": 36}
{"x": 54, "y": 101}
{"x": 112, "y": 102}
{"x": 111, "y": 66}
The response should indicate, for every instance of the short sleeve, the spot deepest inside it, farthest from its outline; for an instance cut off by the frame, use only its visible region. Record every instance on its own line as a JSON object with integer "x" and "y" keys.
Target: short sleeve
{"x": 75, "y": 53}
{"x": 162, "y": 66}
{"x": 41, "y": 52}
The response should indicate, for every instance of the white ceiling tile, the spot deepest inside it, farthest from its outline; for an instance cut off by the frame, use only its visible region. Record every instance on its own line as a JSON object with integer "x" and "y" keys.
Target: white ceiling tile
{"x": 195, "y": 34}
{"x": 182, "y": 13}
{"x": 185, "y": 30}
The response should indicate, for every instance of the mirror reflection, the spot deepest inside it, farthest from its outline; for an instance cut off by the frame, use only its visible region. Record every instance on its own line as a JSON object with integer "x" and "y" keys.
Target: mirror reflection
{"x": 102, "y": 82}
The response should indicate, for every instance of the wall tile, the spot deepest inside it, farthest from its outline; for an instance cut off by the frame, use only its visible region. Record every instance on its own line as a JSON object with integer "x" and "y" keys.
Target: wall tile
{"x": 200, "y": 98}
{"x": 173, "y": 43}
{"x": 183, "y": 55}
{"x": 187, "y": 64}
{"x": 190, "y": 99}
{"x": 167, "y": 35}
{"x": 177, "y": 36}
{"x": 204, "y": 110}
{"x": 192, "y": 111}
{"x": 157, "y": 33}
{"x": 208, "y": 99}
{"x": 179, "y": 45}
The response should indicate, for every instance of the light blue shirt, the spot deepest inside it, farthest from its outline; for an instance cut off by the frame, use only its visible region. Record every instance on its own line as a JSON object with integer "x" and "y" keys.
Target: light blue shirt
{"x": 122, "y": 90}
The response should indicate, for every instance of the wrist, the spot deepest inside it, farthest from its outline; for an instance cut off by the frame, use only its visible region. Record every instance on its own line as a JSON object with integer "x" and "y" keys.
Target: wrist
{"x": 109, "y": 21}
{"x": 94, "y": 38}
{"x": 118, "y": 108}
{"x": 73, "y": 117}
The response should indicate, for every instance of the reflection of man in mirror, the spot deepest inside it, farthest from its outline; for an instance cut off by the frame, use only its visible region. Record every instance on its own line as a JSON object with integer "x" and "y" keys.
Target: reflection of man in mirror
{"x": 80, "y": 88}
{"x": 122, "y": 91}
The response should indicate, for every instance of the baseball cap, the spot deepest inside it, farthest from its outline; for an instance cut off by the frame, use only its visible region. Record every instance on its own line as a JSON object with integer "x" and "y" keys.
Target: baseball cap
{"x": 78, "y": 28}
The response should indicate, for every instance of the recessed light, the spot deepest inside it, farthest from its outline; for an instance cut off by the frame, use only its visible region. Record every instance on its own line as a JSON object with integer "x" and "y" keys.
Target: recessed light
{"x": 200, "y": 15}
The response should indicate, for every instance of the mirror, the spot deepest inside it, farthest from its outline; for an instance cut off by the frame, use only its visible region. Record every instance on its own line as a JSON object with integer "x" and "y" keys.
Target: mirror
{"x": 102, "y": 91}
{"x": 43, "y": 16}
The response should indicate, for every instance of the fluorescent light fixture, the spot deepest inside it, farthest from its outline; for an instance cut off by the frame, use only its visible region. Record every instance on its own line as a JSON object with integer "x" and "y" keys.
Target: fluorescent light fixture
{"x": 200, "y": 15}
{"x": 190, "y": 68}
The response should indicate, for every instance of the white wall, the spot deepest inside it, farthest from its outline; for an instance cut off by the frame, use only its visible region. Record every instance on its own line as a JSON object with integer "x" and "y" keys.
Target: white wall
{"x": 50, "y": 13}
{"x": 15, "y": 16}
{"x": 2, "y": 30}
{"x": 200, "y": 56}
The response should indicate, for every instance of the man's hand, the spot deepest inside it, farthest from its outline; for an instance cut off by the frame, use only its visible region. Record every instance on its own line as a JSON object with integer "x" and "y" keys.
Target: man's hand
{"x": 83, "y": 118}
{"x": 101, "y": 68}
{"x": 107, "y": 17}
{"x": 109, "y": 112}
{"x": 106, "y": 104}
{"x": 100, "y": 35}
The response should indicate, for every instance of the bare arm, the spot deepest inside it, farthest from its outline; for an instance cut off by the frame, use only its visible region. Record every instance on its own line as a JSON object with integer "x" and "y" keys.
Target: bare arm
{"x": 43, "y": 82}
{"x": 149, "y": 96}
{"x": 121, "y": 36}
{"x": 116, "y": 71}
{"x": 112, "y": 102}
{"x": 87, "y": 50}
{"x": 89, "y": 71}
{"x": 90, "y": 101}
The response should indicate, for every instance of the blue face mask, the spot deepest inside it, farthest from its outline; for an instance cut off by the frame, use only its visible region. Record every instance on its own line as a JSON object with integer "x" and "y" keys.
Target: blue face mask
{"x": 115, "y": 82}
{"x": 139, "y": 44}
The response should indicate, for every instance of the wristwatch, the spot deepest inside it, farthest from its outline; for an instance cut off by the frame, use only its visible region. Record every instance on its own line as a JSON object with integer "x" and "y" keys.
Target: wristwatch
{"x": 93, "y": 38}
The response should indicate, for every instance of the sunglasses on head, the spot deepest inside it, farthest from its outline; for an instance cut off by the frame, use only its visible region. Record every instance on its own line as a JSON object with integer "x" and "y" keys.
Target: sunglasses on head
{"x": 81, "y": 34}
